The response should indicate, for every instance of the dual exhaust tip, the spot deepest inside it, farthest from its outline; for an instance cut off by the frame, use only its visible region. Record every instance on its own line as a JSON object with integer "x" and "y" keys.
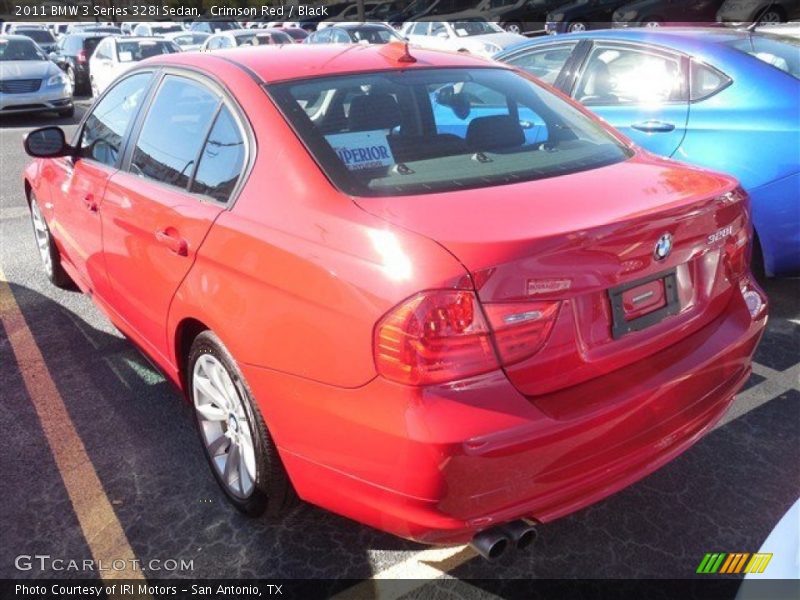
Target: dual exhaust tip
{"x": 493, "y": 543}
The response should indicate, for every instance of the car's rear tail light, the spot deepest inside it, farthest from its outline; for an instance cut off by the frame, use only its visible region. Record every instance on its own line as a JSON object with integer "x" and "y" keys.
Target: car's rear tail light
{"x": 520, "y": 330}
{"x": 82, "y": 56}
{"x": 442, "y": 335}
{"x": 433, "y": 337}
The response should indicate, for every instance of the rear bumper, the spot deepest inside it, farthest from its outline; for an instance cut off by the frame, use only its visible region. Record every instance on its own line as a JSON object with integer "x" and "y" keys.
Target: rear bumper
{"x": 438, "y": 464}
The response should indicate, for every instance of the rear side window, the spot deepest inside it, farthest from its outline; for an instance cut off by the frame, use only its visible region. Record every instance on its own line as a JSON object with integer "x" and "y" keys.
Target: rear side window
{"x": 174, "y": 131}
{"x": 105, "y": 127}
{"x": 706, "y": 81}
{"x": 222, "y": 159}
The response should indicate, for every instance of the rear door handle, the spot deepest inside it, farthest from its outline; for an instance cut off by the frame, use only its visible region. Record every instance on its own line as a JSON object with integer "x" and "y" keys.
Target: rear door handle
{"x": 170, "y": 238}
{"x": 90, "y": 202}
{"x": 654, "y": 126}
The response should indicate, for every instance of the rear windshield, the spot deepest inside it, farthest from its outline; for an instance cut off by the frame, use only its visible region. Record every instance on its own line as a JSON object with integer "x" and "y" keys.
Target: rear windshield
{"x": 430, "y": 130}
{"x": 136, "y": 51}
{"x": 782, "y": 53}
{"x": 41, "y": 36}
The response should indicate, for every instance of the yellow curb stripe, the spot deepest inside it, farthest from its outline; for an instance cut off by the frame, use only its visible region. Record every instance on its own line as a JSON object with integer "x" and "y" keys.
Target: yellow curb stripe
{"x": 101, "y": 528}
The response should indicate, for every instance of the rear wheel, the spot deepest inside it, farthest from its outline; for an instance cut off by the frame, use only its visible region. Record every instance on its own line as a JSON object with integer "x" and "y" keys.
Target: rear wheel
{"x": 576, "y": 27}
{"x": 48, "y": 252}
{"x": 769, "y": 16}
{"x": 235, "y": 439}
{"x": 513, "y": 27}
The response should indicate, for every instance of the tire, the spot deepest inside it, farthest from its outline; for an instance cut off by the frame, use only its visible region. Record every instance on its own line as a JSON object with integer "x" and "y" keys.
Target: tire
{"x": 48, "y": 251}
{"x": 770, "y": 16}
{"x": 77, "y": 88}
{"x": 576, "y": 27}
{"x": 67, "y": 113}
{"x": 228, "y": 421}
{"x": 513, "y": 27}
{"x": 651, "y": 23}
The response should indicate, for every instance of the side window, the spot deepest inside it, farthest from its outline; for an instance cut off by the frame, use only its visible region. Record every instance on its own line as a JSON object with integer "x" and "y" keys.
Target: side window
{"x": 222, "y": 159}
{"x": 323, "y": 37}
{"x": 437, "y": 29}
{"x": 102, "y": 135}
{"x": 102, "y": 51}
{"x": 420, "y": 28}
{"x": 173, "y": 131}
{"x": 544, "y": 63}
{"x": 340, "y": 37}
{"x": 225, "y": 42}
{"x": 624, "y": 76}
{"x": 706, "y": 81}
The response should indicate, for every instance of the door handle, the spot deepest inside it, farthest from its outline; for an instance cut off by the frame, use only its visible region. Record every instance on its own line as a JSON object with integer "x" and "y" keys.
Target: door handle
{"x": 654, "y": 126}
{"x": 169, "y": 237}
{"x": 90, "y": 203}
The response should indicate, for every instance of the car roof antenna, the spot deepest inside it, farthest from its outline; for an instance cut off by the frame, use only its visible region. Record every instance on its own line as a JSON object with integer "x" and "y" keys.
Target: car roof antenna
{"x": 398, "y": 51}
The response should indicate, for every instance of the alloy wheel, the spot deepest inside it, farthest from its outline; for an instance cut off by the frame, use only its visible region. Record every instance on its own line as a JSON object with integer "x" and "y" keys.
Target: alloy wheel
{"x": 770, "y": 17}
{"x": 578, "y": 26}
{"x": 224, "y": 425}
{"x": 513, "y": 28}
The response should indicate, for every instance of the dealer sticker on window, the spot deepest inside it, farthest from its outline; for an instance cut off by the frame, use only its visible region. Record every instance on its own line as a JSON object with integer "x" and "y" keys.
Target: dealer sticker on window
{"x": 362, "y": 149}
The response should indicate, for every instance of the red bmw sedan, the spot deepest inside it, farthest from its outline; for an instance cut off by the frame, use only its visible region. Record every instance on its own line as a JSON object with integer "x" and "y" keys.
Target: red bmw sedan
{"x": 422, "y": 290}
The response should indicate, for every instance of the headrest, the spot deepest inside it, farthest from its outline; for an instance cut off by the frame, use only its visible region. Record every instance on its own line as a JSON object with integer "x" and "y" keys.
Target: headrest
{"x": 373, "y": 111}
{"x": 494, "y": 133}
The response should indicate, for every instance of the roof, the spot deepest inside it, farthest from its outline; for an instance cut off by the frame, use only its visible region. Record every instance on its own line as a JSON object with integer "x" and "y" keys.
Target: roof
{"x": 297, "y": 61}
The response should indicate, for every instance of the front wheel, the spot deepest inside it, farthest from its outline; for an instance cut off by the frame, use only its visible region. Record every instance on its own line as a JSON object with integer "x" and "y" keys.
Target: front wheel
{"x": 513, "y": 27}
{"x": 48, "y": 252}
{"x": 235, "y": 439}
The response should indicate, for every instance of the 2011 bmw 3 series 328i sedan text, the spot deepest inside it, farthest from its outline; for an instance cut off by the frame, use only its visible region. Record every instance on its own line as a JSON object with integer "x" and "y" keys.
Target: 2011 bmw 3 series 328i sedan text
{"x": 420, "y": 290}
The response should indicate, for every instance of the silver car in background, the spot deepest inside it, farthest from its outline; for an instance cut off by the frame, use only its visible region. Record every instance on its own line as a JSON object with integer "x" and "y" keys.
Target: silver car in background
{"x": 29, "y": 81}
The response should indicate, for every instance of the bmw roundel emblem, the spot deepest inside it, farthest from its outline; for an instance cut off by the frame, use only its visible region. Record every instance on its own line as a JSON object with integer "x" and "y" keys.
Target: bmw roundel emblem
{"x": 663, "y": 246}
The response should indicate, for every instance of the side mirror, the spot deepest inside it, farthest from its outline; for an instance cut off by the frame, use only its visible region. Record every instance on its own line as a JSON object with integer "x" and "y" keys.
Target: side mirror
{"x": 46, "y": 142}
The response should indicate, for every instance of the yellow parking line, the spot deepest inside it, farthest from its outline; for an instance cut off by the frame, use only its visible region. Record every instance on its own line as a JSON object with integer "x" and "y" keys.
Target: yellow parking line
{"x": 101, "y": 528}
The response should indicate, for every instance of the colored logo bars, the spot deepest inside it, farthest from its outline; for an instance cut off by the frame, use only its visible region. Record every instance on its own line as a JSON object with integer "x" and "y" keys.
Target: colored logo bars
{"x": 720, "y": 562}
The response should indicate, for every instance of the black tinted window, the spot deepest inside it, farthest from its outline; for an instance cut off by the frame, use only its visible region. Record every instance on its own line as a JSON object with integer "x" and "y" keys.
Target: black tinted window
{"x": 222, "y": 159}
{"x": 174, "y": 131}
{"x": 105, "y": 128}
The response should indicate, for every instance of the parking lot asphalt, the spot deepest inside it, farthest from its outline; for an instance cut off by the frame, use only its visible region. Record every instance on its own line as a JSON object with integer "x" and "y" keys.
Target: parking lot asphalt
{"x": 724, "y": 494}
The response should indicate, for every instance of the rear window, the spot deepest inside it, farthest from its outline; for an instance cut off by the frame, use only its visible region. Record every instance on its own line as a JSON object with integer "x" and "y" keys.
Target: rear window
{"x": 41, "y": 36}
{"x": 136, "y": 51}
{"x": 430, "y": 130}
{"x": 782, "y": 53}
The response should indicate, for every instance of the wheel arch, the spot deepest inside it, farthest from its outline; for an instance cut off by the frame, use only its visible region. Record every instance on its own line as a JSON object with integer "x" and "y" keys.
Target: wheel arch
{"x": 185, "y": 333}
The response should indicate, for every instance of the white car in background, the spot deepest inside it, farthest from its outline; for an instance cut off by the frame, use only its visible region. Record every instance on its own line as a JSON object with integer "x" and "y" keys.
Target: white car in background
{"x": 245, "y": 37}
{"x": 115, "y": 55}
{"x": 156, "y": 29}
{"x": 188, "y": 41}
{"x": 475, "y": 35}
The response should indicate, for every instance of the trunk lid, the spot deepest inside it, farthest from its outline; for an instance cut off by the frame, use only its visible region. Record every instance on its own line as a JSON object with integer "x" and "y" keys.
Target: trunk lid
{"x": 583, "y": 239}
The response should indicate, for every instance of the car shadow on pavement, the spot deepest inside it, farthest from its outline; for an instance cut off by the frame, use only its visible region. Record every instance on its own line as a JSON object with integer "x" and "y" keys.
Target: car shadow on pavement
{"x": 139, "y": 434}
{"x": 45, "y": 119}
{"x": 723, "y": 495}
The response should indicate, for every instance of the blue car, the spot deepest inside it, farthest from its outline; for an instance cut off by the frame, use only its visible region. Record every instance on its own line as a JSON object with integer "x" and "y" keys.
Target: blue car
{"x": 722, "y": 99}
